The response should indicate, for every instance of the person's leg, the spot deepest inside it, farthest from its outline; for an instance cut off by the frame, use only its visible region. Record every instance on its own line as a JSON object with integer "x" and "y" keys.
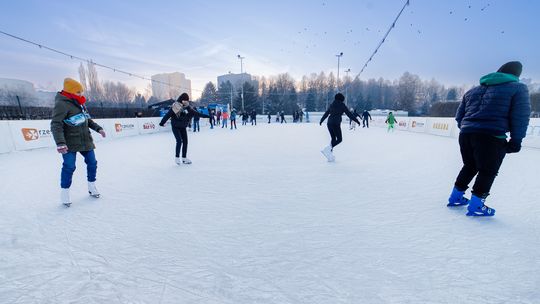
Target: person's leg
{"x": 489, "y": 153}
{"x": 333, "y": 136}
{"x": 183, "y": 134}
{"x": 337, "y": 132}
{"x": 178, "y": 138}
{"x": 91, "y": 165}
{"x": 469, "y": 169}
{"x": 68, "y": 167}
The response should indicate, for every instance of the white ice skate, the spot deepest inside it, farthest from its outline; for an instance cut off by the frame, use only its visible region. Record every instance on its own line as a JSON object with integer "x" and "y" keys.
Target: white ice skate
{"x": 186, "y": 161}
{"x": 64, "y": 197}
{"x": 92, "y": 190}
{"x": 327, "y": 152}
{"x": 178, "y": 161}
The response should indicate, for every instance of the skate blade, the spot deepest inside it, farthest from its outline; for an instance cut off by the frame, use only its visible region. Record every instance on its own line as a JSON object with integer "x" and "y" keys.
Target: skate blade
{"x": 67, "y": 205}
{"x": 94, "y": 195}
{"x": 456, "y": 204}
{"x": 479, "y": 214}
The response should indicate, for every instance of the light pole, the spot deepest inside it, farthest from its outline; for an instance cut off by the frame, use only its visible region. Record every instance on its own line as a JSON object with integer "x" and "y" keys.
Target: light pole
{"x": 347, "y": 71}
{"x": 338, "y": 57}
{"x": 242, "y": 78}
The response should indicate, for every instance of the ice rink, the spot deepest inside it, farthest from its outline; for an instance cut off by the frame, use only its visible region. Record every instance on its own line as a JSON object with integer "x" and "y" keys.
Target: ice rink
{"x": 261, "y": 217}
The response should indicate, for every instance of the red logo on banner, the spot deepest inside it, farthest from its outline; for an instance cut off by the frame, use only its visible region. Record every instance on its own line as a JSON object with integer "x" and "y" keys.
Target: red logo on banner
{"x": 149, "y": 126}
{"x": 30, "y": 134}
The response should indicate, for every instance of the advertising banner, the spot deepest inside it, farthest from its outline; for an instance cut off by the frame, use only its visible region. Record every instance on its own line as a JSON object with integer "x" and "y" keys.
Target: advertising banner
{"x": 31, "y": 134}
{"x": 6, "y": 142}
{"x": 441, "y": 126}
{"x": 148, "y": 125}
{"x": 402, "y": 123}
{"x": 123, "y": 127}
{"x": 418, "y": 124}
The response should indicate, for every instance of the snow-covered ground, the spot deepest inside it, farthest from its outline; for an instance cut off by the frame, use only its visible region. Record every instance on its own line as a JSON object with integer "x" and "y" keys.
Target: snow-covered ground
{"x": 261, "y": 217}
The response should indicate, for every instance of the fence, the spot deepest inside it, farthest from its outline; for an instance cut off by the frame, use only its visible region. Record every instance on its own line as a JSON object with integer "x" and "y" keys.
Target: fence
{"x": 448, "y": 127}
{"x": 19, "y": 135}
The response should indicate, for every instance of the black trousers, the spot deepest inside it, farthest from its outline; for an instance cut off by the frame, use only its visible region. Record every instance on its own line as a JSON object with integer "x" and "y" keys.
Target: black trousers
{"x": 233, "y": 122}
{"x": 482, "y": 156}
{"x": 365, "y": 122}
{"x": 181, "y": 138}
{"x": 335, "y": 134}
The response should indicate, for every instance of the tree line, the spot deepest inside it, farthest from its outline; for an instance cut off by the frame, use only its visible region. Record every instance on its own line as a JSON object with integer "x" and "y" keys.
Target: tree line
{"x": 316, "y": 91}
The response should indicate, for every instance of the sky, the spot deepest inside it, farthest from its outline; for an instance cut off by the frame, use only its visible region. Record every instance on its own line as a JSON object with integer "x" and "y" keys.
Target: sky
{"x": 454, "y": 42}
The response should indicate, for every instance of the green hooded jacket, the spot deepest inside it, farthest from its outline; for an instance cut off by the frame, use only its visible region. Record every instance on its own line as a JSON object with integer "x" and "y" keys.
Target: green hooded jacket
{"x": 498, "y": 78}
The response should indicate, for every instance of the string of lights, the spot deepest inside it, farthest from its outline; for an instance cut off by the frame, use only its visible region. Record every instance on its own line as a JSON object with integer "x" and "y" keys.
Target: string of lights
{"x": 117, "y": 70}
{"x": 383, "y": 40}
{"x": 90, "y": 61}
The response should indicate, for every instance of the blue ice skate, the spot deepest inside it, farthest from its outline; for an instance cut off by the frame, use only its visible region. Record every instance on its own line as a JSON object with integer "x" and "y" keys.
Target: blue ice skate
{"x": 477, "y": 208}
{"x": 457, "y": 198}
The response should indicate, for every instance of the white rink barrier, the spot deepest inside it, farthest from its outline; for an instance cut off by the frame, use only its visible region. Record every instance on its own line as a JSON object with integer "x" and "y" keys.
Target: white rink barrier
{"x": 448, "y": 127}
{"x": 20, "y": 135}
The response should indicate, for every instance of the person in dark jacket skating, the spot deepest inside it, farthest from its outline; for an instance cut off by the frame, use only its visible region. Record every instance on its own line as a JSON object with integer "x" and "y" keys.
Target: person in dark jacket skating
{"x": 233, "y": 118}
{"x": 180, "y": 114}
{"x": 70, "y": 127}
{"x": 365, "y": 121}
{"x": 253, "y": 117}
{"x": 499, "y": 105}
{"x": 245, "y": 117}
{"x": 334, "y": 113}
{"x": 196, "y": 123}
{"x": 269, "y": 117}
{"x": 211, "y": 118}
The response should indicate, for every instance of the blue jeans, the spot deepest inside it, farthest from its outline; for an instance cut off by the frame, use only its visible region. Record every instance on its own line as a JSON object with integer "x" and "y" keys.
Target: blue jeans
{"x": 68, "y": 167}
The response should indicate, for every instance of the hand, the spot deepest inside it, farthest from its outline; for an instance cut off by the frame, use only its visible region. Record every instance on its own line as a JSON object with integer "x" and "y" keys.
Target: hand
{"x": 161, "y": 125}
{"x": 102, "y": 132}
{"x": 320, "y": 124}
{"x": 62, "y": 149}
{"x": 513, "y": 146}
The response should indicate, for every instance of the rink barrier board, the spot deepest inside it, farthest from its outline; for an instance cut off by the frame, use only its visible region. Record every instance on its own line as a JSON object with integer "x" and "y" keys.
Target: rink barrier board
{"x": 20, "y": 135}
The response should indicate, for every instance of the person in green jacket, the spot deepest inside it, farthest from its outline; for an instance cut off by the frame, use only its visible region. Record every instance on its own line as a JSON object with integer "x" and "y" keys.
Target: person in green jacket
{"x": 70, "y": 126}
{"x": 390, "y": 120}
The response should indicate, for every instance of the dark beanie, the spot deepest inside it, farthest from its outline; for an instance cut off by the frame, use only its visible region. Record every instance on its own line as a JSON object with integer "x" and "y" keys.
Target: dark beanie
{"x": 183, "y": 97}
{"x": 512, "y": 67}
{"x": 339, "y": 97}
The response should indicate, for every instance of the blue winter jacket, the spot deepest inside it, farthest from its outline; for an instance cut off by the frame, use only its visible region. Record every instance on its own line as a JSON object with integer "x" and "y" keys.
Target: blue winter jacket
{"x": 499, "y": 105}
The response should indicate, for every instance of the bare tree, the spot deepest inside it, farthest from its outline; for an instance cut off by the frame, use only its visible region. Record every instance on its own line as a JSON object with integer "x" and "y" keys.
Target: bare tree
{"x": 408, "y": 87}
{"x": 95, "y": 91}
{"x": 117, "y": 92}
{"x": 82, "y": 77}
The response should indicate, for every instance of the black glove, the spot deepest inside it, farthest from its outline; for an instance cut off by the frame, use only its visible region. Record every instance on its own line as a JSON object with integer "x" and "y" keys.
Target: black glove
{"x": 161, "y": 124}
{"x": 513, "y": 146}
{"x": 320, "y": 123}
